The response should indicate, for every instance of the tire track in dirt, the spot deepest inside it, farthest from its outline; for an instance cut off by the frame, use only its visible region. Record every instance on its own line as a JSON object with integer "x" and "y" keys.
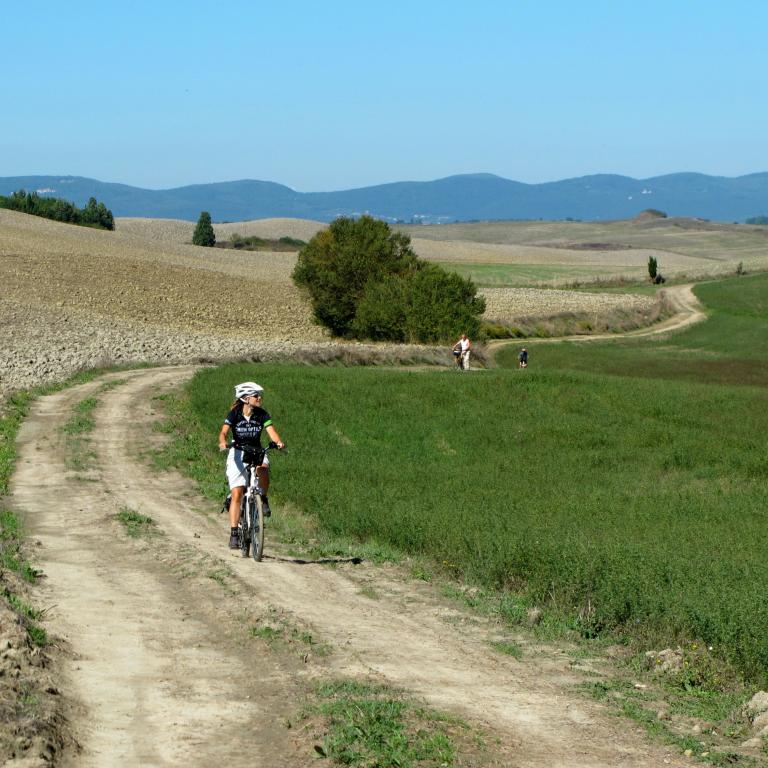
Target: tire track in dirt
{"x": 147, "y": 652}
{"x": 154, "y": 679}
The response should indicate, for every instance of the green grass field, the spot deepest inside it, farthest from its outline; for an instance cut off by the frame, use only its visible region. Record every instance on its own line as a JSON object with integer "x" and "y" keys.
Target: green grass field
{"x": 730, "y": 348}
{"x": 521, "y": 275}
{"x": 632, "y": 499}
{"x": 686, "y": 249}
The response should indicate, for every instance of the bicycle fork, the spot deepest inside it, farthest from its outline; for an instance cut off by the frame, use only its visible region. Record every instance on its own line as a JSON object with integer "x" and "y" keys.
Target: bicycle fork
{"x": 252, "y": 489}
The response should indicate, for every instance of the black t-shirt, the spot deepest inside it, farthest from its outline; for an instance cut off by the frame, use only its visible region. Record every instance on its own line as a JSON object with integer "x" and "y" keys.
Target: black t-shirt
{"x": 247, "y": 432}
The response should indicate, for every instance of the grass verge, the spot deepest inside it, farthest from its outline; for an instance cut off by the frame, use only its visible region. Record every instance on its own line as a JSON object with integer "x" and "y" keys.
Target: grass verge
{"x": 577, "y": 323}
{"x": 31, "y": 712}
{"x": 136, "y": 524}
{"x": 716, "y": 742}
{"x": 78, "y": 428}
{"x": 14, "y": 409}
{"x": 279, "y": 630}
{"x": 365, "y": 724}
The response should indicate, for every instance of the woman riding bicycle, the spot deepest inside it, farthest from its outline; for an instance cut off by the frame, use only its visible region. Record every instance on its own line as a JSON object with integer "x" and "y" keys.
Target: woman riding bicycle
{"x": 246, "y": 420}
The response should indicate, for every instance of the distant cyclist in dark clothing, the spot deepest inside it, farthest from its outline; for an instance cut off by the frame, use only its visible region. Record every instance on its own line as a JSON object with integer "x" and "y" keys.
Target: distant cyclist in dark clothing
{"x": 522, "y": 358}
{"x": 246, "y": 421}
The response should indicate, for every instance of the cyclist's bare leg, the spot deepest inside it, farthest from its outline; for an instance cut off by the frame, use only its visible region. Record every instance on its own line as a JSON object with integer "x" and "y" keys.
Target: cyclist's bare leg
{"x": 263, "y": 475}
{"x": 234, "y": 505}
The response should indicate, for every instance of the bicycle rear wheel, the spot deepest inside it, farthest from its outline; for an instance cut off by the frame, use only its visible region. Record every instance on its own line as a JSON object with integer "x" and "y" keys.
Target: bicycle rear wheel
{"x": 243, "y": 530}
{"x": 257, "y": 527}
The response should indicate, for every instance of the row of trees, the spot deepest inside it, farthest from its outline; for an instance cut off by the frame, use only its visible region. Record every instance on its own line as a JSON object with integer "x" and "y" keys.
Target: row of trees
{"x": 365, "y": 282}
{"x": 94, "y": 214}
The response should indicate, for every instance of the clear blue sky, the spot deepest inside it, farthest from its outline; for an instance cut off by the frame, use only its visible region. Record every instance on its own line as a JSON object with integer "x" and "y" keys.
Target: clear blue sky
{"x": 340, "y": 94}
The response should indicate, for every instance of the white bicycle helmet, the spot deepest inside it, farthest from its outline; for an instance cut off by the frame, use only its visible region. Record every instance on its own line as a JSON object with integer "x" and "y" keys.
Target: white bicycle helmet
{"x": 248, "y": 388}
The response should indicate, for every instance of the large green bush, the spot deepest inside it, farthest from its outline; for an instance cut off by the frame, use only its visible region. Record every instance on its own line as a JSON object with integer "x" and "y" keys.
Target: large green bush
{"x": 339, "y": 262}
{"x": 365, "y": 281}
{"x": 430, "y": 305}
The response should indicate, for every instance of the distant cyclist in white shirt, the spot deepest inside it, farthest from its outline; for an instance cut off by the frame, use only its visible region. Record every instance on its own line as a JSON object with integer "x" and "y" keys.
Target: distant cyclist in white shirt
{"x": 463, "y": 346}
{"x": 246, "y": 420}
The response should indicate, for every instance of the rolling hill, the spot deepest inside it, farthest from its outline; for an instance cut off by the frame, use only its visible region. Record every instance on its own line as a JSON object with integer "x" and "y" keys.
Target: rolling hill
{"x": 455, "y": 198}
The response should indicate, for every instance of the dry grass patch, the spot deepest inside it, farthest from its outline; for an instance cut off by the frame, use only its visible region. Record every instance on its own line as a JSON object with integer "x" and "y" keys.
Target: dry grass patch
{"x": 496, "y": 253}
{"x": 681, "y": 245}
{"x": 506, "y": 305}
{"x": 180, "y": 232}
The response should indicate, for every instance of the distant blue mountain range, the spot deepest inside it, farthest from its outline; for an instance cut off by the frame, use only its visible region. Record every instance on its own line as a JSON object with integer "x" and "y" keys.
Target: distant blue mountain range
{"x": 456, "y": 198}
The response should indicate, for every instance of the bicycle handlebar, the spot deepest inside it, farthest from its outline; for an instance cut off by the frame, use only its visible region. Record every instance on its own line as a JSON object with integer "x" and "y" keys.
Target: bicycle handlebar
{"x": 251, "y": 452}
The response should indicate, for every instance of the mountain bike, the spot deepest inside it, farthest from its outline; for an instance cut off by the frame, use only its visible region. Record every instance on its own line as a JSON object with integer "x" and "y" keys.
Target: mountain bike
{"x": 250, "y": 527}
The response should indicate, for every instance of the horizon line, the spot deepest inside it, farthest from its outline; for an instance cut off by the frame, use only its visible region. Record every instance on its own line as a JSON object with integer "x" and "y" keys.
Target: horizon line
{"x": 478, "y": 174}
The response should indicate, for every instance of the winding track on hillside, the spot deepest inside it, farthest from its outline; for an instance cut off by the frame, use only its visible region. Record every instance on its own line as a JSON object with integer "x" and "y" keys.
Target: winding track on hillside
{"x": 156, "y": 629}
{"x": 680, "y": 300}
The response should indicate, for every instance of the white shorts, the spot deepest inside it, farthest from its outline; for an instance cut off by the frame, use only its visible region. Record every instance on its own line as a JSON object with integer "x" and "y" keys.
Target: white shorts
{"x": 237, "y": 474}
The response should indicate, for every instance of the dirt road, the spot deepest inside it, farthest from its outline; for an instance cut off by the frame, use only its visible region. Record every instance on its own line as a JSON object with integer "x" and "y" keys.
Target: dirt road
{"x": 156, "y": 628}
{"x": 686, "y": 310}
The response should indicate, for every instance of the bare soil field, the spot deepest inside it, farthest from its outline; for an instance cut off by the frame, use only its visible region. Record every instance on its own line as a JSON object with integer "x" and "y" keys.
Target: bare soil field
{"x": 176, "y": 231}
{"x": 467, "y": 252}
{"x": 510, "y": 304}
{"x": 75, "y": 297}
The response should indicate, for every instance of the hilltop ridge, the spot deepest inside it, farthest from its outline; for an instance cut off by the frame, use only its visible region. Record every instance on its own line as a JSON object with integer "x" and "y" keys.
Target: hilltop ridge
{"x": 467, "y": 197}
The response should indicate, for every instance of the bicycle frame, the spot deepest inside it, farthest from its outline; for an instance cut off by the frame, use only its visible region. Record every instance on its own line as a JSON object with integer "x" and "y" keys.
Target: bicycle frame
{"x": 252, "y": 530}
{"x": 253, "y": 486}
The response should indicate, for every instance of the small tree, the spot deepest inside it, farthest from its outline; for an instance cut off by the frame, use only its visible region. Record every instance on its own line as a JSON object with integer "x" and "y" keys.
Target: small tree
{"x": 653, "y": 267}
{"x": 204, "y": 234}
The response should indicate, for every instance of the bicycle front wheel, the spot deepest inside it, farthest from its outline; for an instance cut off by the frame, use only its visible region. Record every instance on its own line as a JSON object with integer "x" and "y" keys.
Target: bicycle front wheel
{"x": 257, "y": 527}
{"x": 244, "y": 530}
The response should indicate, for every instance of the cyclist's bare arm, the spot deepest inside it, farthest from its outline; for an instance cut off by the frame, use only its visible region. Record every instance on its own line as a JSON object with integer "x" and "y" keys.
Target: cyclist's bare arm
{"x": 223, "y": 437}
{"x": 272, "y": 432}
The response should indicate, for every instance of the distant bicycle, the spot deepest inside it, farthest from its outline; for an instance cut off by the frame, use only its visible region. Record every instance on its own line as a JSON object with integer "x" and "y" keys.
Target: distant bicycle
{"x": 250, "y": 527}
